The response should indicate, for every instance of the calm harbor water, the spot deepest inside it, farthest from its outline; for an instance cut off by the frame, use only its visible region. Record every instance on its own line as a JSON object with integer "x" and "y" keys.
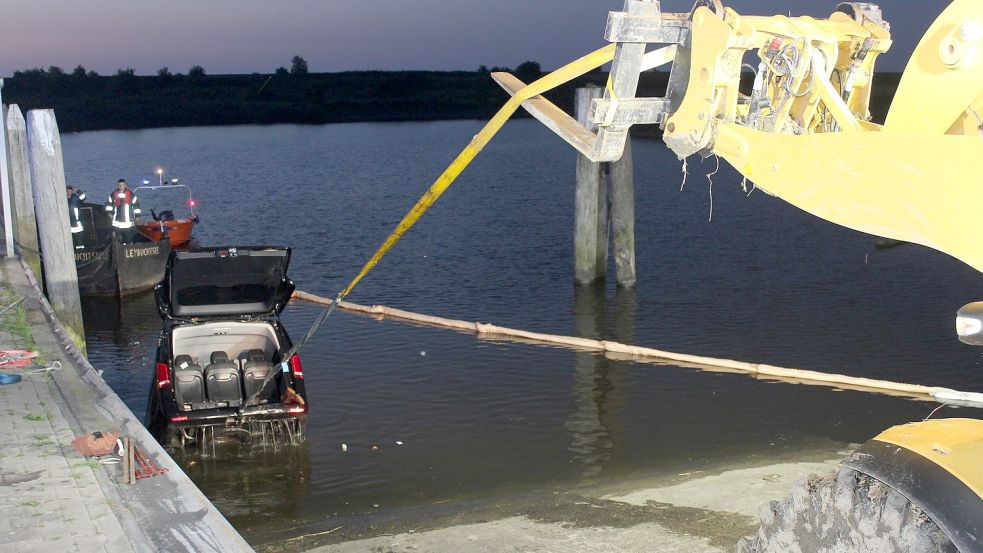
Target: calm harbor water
{"x": 760, "y": 281}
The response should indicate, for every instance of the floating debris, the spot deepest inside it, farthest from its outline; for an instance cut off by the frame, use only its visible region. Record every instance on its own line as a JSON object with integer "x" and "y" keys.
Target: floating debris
{"x": 344, "y": 447}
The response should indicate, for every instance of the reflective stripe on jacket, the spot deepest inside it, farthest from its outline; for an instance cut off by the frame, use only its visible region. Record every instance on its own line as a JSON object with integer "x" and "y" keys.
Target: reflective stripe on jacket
{"x": 73, "y": 211}
{"x": 124, "y": 207}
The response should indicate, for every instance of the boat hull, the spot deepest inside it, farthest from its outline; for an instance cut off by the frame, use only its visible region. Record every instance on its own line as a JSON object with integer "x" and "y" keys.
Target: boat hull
{"x": 121, "y": 269}
{"x": 177, "y": 230}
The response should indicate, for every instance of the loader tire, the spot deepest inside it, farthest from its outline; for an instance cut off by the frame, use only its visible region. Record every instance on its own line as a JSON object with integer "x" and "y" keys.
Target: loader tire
{"x": 844, "y": 511}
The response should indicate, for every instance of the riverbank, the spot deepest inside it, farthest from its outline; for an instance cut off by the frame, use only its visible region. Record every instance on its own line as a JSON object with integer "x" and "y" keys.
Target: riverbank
{"x": 705, "y": 511}
{"x": 52, "y": 498}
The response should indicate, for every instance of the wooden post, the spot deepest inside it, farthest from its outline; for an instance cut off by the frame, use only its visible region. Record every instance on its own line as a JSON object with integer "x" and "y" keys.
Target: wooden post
{"x": 603, "y": 220}
{"x": 587, "y": 205}
{"x": 623, "y": 217}
{"x": 25, "y": 225}
{"x": 51, "y": 203}
{"x": 8, "y": 227}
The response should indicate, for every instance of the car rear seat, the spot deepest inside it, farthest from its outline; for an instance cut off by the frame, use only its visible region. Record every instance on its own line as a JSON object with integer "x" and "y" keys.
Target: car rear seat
{"x": 255, "y": 369}
{"x": 189, "y": 386}
{"x": 222, "y": 380}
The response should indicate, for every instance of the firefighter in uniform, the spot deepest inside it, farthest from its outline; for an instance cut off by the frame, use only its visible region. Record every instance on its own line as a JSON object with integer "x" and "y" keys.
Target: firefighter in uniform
{"x": 124, "y": 208}
{"x": 75, "y": 199}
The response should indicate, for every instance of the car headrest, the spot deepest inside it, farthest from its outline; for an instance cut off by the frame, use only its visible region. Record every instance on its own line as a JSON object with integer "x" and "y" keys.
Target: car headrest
{"x": 257, "y": 355}
{"x": 219, "y": 357}
{"x": 181, "y": 361}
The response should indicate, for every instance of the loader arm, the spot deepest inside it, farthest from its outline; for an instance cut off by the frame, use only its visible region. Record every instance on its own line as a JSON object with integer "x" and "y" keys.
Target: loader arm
{"x": 802, "y": 131}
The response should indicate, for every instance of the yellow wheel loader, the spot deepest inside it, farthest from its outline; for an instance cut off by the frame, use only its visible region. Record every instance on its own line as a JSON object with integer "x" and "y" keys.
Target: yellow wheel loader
{"x": 802, "y": 132}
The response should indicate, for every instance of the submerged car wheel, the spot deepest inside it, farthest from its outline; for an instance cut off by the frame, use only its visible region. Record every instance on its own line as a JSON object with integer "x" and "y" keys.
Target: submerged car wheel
{"x": 172, "y": 438}
{"x": 845, "y": 511}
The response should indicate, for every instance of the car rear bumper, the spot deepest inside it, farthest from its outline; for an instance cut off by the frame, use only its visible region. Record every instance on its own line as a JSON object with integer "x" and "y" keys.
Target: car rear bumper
{"x": 230, "y": 416}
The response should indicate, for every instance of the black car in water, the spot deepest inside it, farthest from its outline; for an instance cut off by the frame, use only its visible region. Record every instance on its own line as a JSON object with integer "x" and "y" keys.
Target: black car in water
{"x": 220, "y": 368}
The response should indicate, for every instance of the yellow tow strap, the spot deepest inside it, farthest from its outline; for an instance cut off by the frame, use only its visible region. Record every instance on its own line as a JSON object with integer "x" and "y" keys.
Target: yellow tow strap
{"x": 566, "y": 73}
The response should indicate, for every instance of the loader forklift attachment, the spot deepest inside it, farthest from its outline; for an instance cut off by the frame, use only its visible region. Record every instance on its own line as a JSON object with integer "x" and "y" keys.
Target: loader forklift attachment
{"x": 803, "y": 131}
{"x": 608, "y": 143}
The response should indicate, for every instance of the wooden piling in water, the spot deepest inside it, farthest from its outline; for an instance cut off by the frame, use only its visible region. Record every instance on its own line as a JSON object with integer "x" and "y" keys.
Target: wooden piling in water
{"x": 51, "y": 205}
{"x": 603, "y": 220}
{"x": 25, "y": 224}
{"x": 590, "y": 259}
{"x": 8, "y": 228}
{"x": 623, "y": 217}
{"x": 604, "y": 209}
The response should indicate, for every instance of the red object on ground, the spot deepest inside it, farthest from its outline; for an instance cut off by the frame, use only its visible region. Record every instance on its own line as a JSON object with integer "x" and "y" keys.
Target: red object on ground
{"x": 146, "y": 467}
{"x": 96, "y": 444}
{"x": 17, "y": 357}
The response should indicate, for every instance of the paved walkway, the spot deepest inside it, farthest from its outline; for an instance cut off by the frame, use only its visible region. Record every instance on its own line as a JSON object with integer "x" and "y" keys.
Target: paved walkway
{"x": 50, "y": 499}
{"x": 54, "y": 499}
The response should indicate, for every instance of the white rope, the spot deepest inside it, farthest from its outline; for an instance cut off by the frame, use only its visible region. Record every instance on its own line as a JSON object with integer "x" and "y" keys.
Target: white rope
{"x": 4, "y": 310}
{"x": 710, "y": 180}
{"x": 685, "y": 172}
{"x": 934, "y": 411}
{"x": 56, "y": 366}
{"x": 744, "y": 187}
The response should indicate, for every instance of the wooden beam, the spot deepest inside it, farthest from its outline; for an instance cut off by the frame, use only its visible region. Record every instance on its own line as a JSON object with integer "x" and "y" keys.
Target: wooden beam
{"x": 587, "y": 204}
{"x": 25, "y": 225}
{"x": 51, "y": 205}
{"x": 8, "y": 220}
{"x": 623, "y": 218}
{"x": 573, "y": 132}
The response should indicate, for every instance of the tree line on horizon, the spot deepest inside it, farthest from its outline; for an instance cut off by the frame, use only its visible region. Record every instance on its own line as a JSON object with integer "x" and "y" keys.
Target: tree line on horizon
{"x": 298, "y": 67}
{"x": 84, "y": 100}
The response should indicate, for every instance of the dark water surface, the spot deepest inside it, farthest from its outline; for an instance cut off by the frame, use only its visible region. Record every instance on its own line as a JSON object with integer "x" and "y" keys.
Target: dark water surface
{"x": 759, "y": 282}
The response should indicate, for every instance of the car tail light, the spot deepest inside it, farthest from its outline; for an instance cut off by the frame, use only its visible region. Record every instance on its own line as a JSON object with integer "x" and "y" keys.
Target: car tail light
{"x": 295, "y": 367}
{"x": 297, "y": 409}
{"x": 163, "y": 376}
{"x": 179, "y": 418}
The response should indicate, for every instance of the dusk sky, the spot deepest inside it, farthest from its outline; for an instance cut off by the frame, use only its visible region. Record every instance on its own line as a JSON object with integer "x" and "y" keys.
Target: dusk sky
{"x": 246, "y": 36}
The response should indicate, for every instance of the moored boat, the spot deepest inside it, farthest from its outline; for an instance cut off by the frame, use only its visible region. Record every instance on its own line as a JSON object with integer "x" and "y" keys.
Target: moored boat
{"x": 166, "y": 224}
{"x": 107, "y": 267}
